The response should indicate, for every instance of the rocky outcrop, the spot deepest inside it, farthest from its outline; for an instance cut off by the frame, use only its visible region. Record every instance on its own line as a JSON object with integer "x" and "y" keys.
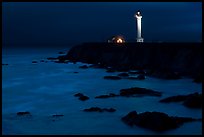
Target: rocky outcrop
{"x": 123, "y": 74}
{"x": 34, "y": 62}
{"x": 52, "y": 58}
{"x": 156, "y": 121}
{"x": 97, "y": 109}
{"x": 61, "y": 52}
{"x": 81, "y": 96}
{"x": 112, "y": 77}
{"x": 177, "y": 59}
{"x": 26, "y": 113}
{"x": 191, "y": 100}
{"x": 139, "y": 92}
{"x": 57, "y": 115}
{"x": 107, "y": 96}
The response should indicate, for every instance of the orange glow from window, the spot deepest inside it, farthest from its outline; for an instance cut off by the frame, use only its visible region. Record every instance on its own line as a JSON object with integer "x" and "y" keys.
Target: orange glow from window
{"x": 119, "y": 40}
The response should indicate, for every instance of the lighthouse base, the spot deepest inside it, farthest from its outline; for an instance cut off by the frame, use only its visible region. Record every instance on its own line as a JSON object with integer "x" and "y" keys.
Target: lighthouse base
{"x": 140, "y": 40}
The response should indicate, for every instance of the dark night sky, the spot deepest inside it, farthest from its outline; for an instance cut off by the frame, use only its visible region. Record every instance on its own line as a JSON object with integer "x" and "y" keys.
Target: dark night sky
{"x": 46, "y": 24}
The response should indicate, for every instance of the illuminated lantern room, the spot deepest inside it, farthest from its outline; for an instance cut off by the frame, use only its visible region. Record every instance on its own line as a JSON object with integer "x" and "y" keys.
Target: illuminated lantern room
{"x": 117, "y": 39}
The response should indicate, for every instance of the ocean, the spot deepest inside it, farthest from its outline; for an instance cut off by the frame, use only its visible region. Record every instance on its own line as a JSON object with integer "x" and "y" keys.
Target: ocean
{"x": 45, "y": 89}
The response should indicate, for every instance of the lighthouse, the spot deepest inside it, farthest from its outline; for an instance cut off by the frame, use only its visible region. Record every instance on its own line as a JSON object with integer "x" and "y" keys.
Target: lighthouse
{"x": 138, "y": 16}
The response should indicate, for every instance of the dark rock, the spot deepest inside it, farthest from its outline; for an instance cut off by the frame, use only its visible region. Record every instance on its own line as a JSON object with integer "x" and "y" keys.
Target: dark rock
{"x": 61, "y": 52}
{"x": 112, "y": 95}
{"x": 52, "y": 58}
{"x": 23, "y": 113}
{"x": 34, "y": 62}
{"x": 178, "y": 98}
{"x": 93, "y": 109}
{"x": 109, "y": 109}
{"x": 191, "y": 100}
{"x": 198, "y": 78}
{"x": 42, "y": 60}
{"x": 133, "y": 72}
{"x": 83, "y": 98}
{"x": 184, "y": 58}
{"x": 112, "y": 77}
{"x": 123, "y": 69}
{"x": 141, "y": 77}
{"x": 61, "y": 61}
{"x": 97, "y": 109}
{"x": 102, "y": 96}
{"x": 98, "y": 66}
{"x": 156, "y": 121}
{"x": 107, "y": 96}
{"x": 79, "y": 95}
{"x": 76, "y": 72}
{"x": 139, "y": 91}
{"x": 57, "y": 115}
{"x": 123, "y": 74}
{"x": 84, "y": 67}
{"x": 4, "y": 64}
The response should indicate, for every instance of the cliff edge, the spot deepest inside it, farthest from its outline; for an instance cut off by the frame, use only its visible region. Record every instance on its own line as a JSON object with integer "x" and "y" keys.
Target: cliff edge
{"x": 183, "y": 58}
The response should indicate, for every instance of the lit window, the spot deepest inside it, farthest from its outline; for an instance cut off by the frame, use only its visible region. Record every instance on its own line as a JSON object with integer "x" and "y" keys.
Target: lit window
{"x": 119, "y": 40}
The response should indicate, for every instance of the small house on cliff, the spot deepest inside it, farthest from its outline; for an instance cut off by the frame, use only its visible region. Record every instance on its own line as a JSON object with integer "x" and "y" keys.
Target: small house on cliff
{"x": 116, "y": 39}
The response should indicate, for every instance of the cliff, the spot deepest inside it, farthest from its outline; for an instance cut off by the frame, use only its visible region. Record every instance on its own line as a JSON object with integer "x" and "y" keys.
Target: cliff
{"x": 184, "y": 58}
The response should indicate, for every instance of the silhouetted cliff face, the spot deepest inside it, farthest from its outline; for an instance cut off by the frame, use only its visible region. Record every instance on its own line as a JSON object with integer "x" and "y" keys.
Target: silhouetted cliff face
{"x": 185, "y": 58}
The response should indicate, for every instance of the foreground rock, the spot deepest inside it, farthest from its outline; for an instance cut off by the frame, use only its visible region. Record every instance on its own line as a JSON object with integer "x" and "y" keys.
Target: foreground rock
{"x": 34, "y": 62}
{"x": 139, "y": 92}
{"x": 57, "y": 115}
{"x": 191, "y": 100}
{"x": 98, "y": 66}
{"x": 178, "y": 98}
{"x": 97, "y": 109}
{"x": 107, "y": 96}
{"x": 81, "y": 96}
{"x": 52, "y": 58}
{"x": 61, "y": 52}
{"x": 155, "y": 121}
{"x": 198, "y": 78}
{"x": 123, "y": 74}
{"x": 194, "y": 101}
{"x": 26, "y": 113}
{"x": 112, "y": 77}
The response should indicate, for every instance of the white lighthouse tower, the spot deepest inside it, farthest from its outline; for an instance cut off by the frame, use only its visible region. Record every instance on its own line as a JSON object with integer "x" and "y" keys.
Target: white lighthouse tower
{"x": 138, "y": 16}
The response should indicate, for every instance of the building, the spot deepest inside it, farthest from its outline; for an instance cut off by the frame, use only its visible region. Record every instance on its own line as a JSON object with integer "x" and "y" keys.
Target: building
{"x": 117, "y": 39}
